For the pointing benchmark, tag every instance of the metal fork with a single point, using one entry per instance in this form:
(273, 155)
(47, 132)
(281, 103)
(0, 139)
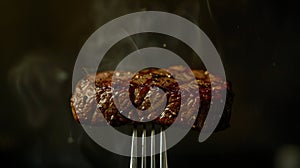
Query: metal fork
(163, 162)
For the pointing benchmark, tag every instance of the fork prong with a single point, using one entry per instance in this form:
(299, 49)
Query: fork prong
(163, 151)
(144, 146)
(152, 163)
(133, 158)
(162, 143)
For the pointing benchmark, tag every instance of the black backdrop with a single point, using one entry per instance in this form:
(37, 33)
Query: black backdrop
(258, 42)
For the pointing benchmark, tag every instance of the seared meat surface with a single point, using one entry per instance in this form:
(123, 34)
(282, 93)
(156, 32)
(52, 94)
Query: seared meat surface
(91, 98)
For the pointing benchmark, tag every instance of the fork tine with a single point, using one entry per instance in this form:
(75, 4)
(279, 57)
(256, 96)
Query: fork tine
(163, 151)
(144, 146)
(152, 163)
(133, 158)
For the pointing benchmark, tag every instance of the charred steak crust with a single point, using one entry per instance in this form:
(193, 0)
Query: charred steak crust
(88, 103)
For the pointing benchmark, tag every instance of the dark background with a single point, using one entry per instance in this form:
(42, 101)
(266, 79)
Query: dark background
(259, 45)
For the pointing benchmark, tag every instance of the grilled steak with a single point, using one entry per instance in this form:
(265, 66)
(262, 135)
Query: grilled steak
(91, 98)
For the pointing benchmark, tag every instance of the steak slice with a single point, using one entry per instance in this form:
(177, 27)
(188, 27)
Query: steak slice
(91, 98)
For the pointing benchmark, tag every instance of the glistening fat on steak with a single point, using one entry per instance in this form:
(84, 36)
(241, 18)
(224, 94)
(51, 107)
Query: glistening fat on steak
(88, 103)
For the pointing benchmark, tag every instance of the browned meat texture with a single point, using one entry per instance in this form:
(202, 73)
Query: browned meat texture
(89, 102)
